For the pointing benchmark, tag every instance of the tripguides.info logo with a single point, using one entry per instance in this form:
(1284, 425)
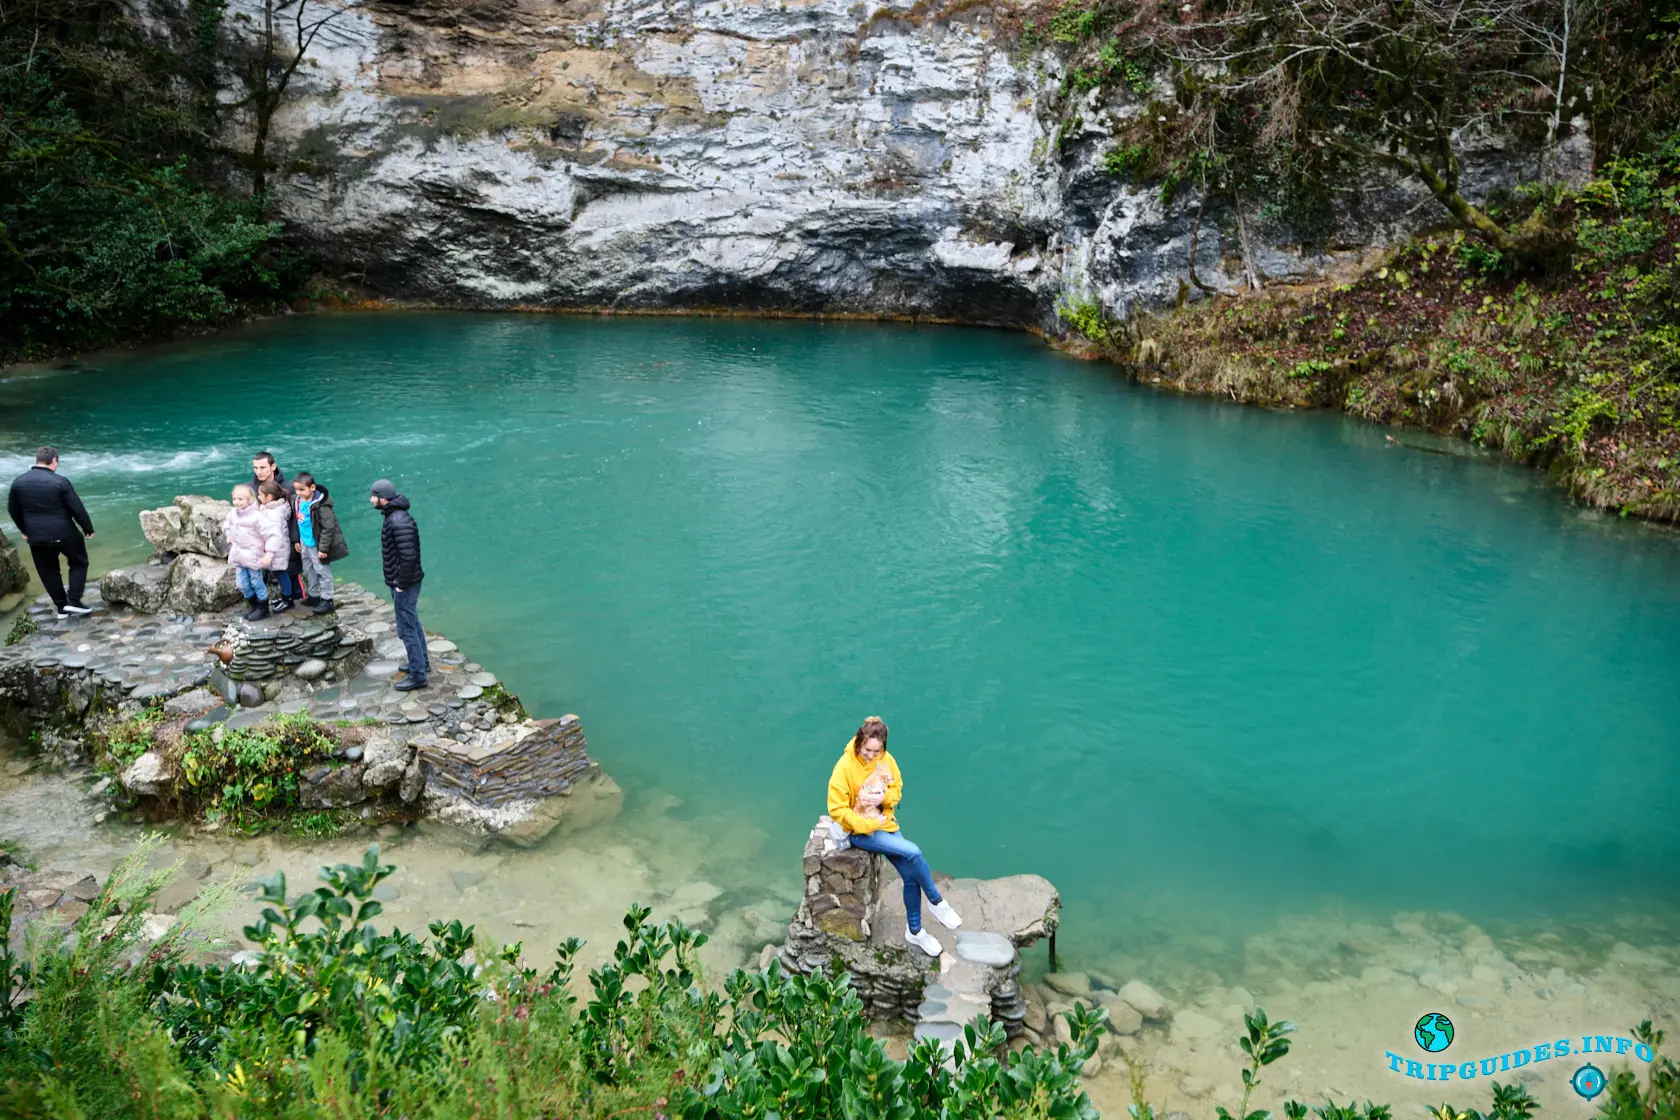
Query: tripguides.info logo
(1435, 1034)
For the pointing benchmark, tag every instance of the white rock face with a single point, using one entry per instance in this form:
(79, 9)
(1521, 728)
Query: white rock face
(816, 156)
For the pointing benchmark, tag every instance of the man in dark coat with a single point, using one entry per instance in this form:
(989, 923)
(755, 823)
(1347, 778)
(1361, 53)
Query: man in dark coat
(51, 517)
(399, 542)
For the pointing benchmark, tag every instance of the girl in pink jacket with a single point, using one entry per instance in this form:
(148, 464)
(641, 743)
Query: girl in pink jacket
(257, 543)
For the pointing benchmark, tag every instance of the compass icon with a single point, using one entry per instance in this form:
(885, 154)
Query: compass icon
(1588, 1081)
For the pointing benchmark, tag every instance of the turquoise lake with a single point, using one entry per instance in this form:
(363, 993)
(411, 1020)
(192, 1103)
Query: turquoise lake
(1187, 659)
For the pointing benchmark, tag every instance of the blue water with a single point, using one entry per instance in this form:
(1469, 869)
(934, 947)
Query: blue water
(1180, 656)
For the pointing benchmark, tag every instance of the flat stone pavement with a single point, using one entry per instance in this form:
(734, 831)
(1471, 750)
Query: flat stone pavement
(149, 656)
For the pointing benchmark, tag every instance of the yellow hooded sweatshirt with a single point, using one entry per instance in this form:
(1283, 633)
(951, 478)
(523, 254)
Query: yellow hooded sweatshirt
(849, 775)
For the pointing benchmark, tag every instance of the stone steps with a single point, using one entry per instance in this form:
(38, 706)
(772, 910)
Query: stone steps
(972, 976)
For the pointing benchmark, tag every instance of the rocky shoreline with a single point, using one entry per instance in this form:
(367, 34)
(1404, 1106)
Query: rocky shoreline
(166, 643)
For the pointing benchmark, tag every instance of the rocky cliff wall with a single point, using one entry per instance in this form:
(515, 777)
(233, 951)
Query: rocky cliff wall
(814, 156)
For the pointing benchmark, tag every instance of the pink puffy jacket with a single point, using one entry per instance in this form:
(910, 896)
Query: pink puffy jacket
(255, 530)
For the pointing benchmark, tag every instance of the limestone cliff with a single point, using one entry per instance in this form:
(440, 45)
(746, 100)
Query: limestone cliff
(813, 156)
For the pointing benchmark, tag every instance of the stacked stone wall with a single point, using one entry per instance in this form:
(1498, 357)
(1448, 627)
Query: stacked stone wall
(543, 760)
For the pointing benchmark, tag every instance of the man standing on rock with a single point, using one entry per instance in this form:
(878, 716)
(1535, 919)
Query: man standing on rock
(51, 518)
(399, 542)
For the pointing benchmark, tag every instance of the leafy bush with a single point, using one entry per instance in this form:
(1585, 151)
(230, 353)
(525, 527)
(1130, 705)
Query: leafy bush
(336, 1018)
(1085, 316)
(240, 771)
(128, 739)
(107, 227)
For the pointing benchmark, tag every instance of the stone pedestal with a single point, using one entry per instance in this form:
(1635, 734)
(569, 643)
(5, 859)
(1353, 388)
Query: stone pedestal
(851, 920)
(842, 886)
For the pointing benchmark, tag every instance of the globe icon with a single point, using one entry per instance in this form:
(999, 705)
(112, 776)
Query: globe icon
(1434, 1032)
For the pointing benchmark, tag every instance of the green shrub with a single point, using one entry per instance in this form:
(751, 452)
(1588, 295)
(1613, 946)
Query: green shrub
(337, 1018)
(246, 771)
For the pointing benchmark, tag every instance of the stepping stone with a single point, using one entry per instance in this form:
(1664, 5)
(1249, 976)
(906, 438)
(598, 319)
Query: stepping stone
(391, 648)
(985, 947)
(471, 691)
(380, 668)
(481, 679)
(440, 645)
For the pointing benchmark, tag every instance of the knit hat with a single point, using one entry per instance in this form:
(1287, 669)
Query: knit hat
(384, 489)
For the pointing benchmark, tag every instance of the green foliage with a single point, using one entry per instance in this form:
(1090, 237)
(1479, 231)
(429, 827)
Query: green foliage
(1658, 1098)
(252, 769)
(314, 826)
(1085, 316)
(1264, 1043)
(336, 1017)
(107, 230)
(1578, 371)
(132, 737)
(22, 627)
(15, 974)
(1127, 159)
(1482, 258)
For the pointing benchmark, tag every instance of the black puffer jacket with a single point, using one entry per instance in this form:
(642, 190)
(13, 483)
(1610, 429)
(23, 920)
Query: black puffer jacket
(399, 541)
(44, 507)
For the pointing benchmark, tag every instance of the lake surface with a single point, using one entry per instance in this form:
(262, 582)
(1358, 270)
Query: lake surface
(1203, 666)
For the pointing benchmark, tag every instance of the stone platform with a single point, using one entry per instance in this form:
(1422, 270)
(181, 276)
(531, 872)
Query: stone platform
(851, 919)
(461, 748)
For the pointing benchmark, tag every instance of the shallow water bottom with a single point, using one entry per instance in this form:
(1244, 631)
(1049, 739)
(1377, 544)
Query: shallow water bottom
(1355, 980)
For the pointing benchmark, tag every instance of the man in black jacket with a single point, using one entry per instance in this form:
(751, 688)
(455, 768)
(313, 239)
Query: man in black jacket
(51, 517)
(399, 543)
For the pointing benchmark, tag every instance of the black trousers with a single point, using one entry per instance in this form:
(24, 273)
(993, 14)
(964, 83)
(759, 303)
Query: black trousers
(46, 554)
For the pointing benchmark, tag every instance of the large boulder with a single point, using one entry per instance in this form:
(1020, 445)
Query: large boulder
(327, 787)
(13, 575)
(162, 527)
(193, 524)
(149, 775)
(198, 584)
(386, 761)
(145, 587)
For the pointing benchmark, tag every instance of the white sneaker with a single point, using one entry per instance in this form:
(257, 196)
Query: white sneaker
(924, 941)
(948, 917)
(77, 608)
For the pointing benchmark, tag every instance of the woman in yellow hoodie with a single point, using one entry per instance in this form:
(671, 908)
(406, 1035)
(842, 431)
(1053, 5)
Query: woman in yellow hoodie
(863, 793)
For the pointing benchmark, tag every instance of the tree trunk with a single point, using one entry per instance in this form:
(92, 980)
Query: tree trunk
(259, 152)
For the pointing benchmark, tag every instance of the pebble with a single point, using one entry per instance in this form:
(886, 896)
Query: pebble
(310, 670)
(353, 754)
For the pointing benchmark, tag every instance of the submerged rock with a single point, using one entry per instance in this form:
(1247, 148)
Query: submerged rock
(1148, 1002)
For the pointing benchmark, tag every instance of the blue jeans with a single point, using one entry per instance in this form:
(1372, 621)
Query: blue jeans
(252, 583)
(912, 868)
(413, 635)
